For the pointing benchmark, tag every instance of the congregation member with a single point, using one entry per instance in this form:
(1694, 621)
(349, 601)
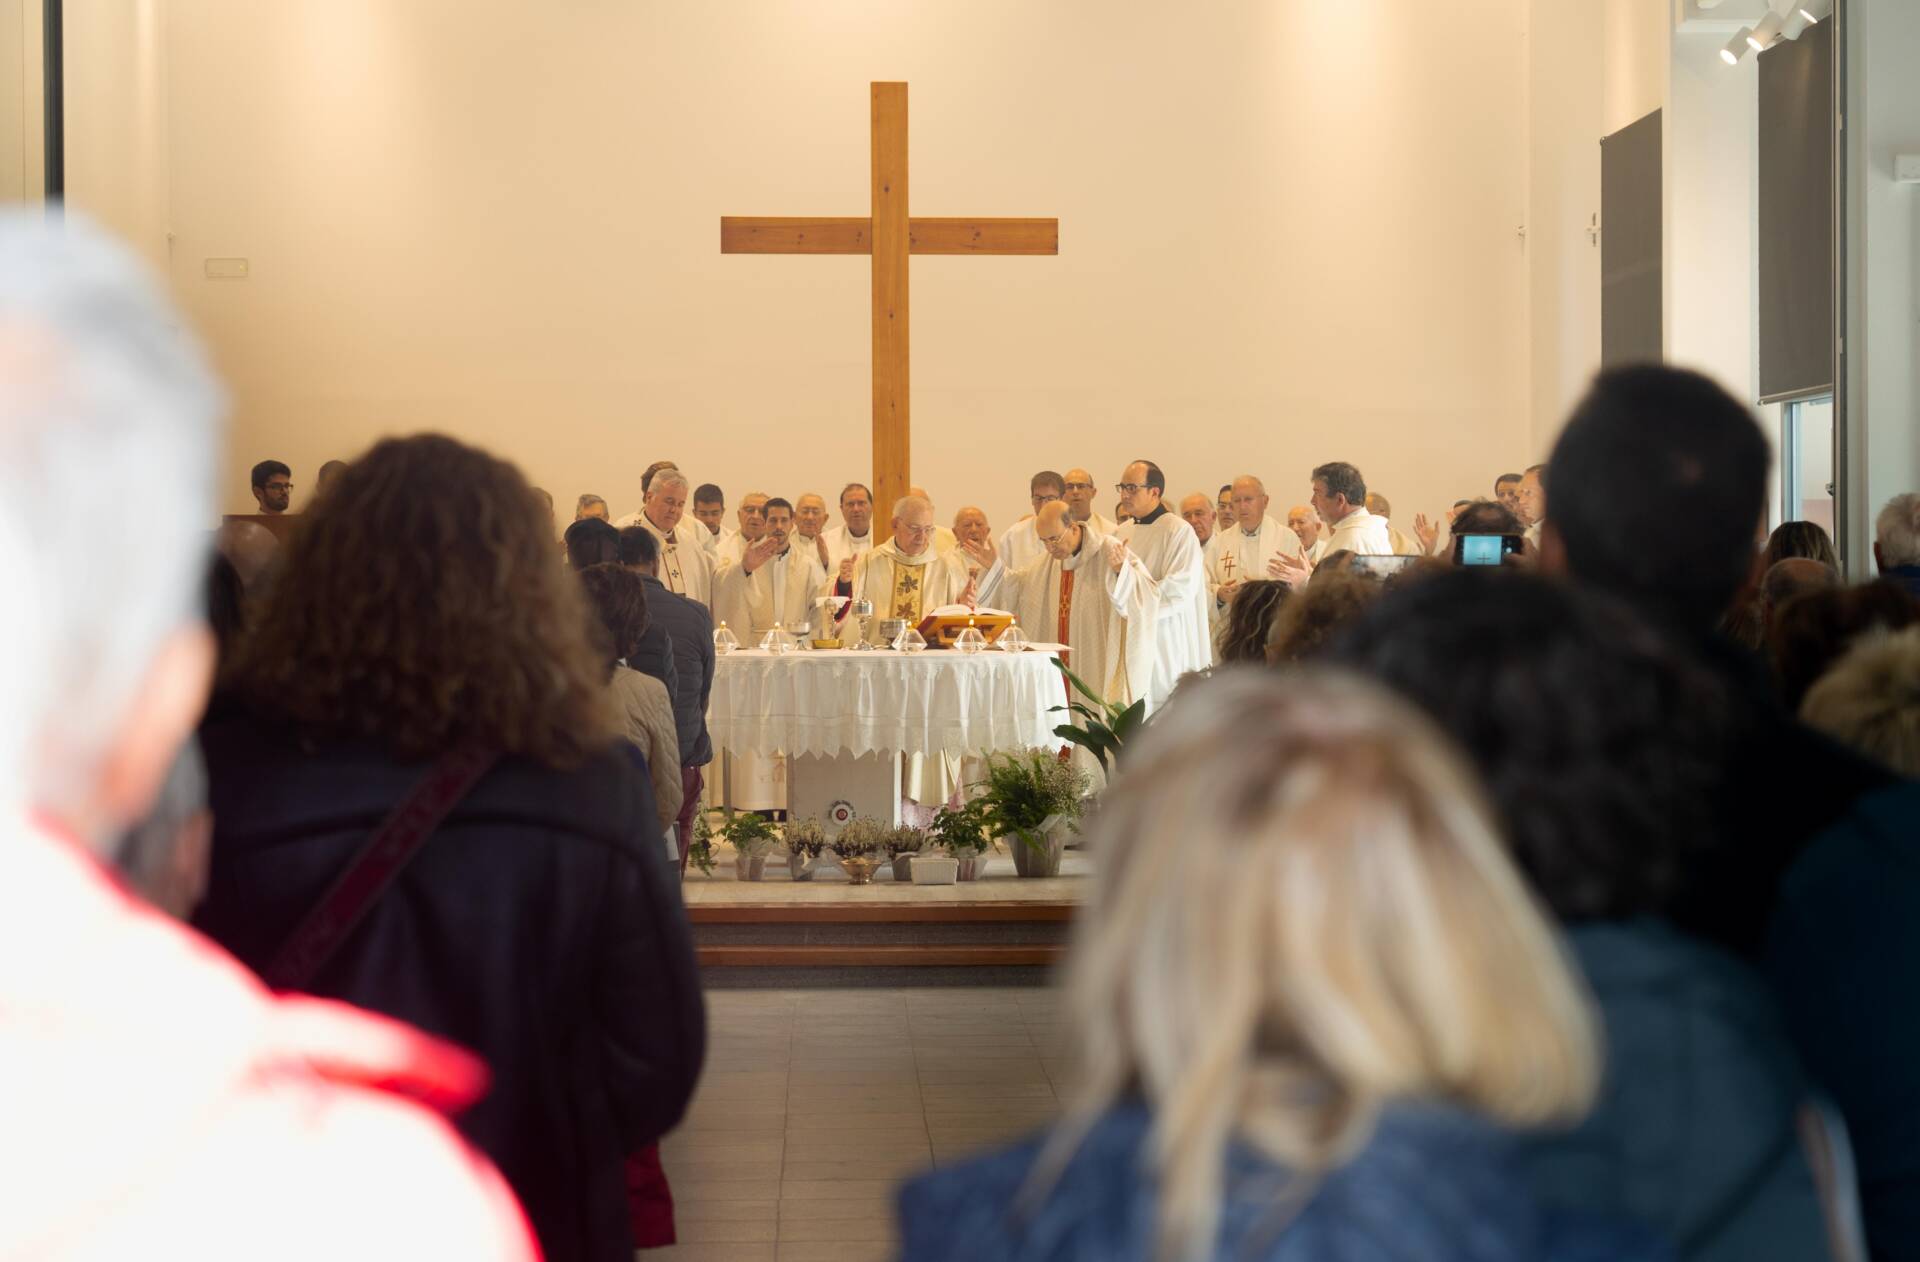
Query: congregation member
(853, 537)
(1308, 529)
(1786, 579)
(710, 510)
(1318, 611)
(1306, 1031)
(686, 568)
(1172, 566)
(1245, 550)
(677, 649)
(1077, 489)
(1870, 700)
(1066, 595)
(1653, 442)
(617, 611)
(1811, 632)
(591, 541)
(1485, 517)
(272, 487)
(1799, 539)
(1434, 541)
(907, 577)
(590, 505)
(532, 917)
(1340, 498)
(158, 1100)
(1019, 543)
(1249, 622)
(809, 526)
(1198, 511)
(774, 584)
(1896, 542)
(328, 472)
(1603, 785)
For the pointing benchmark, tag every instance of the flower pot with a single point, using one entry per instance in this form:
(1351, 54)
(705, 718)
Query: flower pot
(903, 867)
(800, 867)
(972, 867)
(859, 871)
(935, 869)
(750, 867)
(1038, 860)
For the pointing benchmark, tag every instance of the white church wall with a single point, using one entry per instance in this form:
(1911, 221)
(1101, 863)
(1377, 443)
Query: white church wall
(1289, 235)
(116, 118)
(1884, 242)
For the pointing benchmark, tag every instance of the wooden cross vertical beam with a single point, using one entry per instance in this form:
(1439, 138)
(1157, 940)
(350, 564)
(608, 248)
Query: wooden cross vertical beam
(892, 362)
(890, 235)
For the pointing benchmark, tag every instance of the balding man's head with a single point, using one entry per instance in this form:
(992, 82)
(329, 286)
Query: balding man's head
(913, 527)
(1249, 502)
(1058, 532)
(970, 525)
(1789, 578)
(1079, 493)
(1197, 511)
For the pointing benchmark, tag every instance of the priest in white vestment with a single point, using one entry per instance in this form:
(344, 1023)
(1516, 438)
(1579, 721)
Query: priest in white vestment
(1197, 511)
(1066, 595)
(944, 540)
(710, 512)
(1175, 572)
(1306, 527)
(1404, 544)
(753, 528)
(853, 537)
(1340, 497)
(774, 583)
(1020, 542)
(809, 531)
(907, 577)
(1078, 492)
(1246, 550)
(685, 567)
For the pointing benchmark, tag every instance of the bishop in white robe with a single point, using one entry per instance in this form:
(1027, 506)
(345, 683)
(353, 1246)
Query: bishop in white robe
(907, 577)
(685, 567)
(1175, 572)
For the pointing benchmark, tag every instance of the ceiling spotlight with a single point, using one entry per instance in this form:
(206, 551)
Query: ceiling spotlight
(1737, 47)
(1815, 10)
(1796, 26)
(1765, 32)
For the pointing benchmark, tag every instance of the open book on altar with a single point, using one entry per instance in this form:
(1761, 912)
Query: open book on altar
(944, 625)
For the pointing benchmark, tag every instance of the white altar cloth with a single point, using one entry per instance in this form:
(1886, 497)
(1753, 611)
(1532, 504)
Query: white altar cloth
(823, 703)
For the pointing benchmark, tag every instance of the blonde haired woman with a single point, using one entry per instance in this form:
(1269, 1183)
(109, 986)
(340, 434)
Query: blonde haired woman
(1307, 994)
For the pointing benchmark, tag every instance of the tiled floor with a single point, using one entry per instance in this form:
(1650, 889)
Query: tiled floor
(815, 1104)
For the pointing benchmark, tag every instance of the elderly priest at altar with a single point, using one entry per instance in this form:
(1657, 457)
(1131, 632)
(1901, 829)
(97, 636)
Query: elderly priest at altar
(907, 577)
(1070, 593)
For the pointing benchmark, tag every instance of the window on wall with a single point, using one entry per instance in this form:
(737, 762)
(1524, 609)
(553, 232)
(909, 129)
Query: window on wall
(1807, 483)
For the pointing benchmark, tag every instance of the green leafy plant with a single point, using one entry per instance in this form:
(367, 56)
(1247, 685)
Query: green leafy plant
(806, 838)
(1105, 726)
(700, 845)
(859, 838)
(961, 830)
(904, 839)
(1026, 794)
(750, 834)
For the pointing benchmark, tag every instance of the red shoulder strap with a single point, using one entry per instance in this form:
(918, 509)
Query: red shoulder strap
(393, 844)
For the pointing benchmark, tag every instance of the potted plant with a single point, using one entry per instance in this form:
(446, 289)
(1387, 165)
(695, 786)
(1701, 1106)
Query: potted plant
(858, 848)
(961, 832)
(700, 845)
(752, 836)
(806, 841)
(1105, 726)
(1032, 799)
(901, 844)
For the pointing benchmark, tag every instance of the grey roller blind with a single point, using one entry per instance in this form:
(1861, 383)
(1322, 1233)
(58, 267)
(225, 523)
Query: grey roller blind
(1796, 215)
(1630, 243)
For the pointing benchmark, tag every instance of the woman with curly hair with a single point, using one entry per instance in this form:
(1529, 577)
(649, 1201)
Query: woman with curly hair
(418, 613)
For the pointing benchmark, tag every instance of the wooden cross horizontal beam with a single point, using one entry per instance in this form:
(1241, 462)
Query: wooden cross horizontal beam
(776, 235)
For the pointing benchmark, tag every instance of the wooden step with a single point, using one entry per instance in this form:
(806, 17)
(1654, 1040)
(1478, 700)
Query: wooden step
(878, 913)
(879, 956)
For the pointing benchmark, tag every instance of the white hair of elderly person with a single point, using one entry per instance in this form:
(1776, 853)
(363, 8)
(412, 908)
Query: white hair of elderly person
(103, 399)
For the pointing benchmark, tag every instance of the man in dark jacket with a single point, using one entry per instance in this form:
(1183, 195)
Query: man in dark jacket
(1658, 444)
(678, 651)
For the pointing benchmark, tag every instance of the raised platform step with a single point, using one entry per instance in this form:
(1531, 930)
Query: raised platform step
(856, 943)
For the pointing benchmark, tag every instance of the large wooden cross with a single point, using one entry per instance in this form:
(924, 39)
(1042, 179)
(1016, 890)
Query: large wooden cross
(889, 235)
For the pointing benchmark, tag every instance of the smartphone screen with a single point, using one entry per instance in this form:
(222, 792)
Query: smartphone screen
(1484, 549)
